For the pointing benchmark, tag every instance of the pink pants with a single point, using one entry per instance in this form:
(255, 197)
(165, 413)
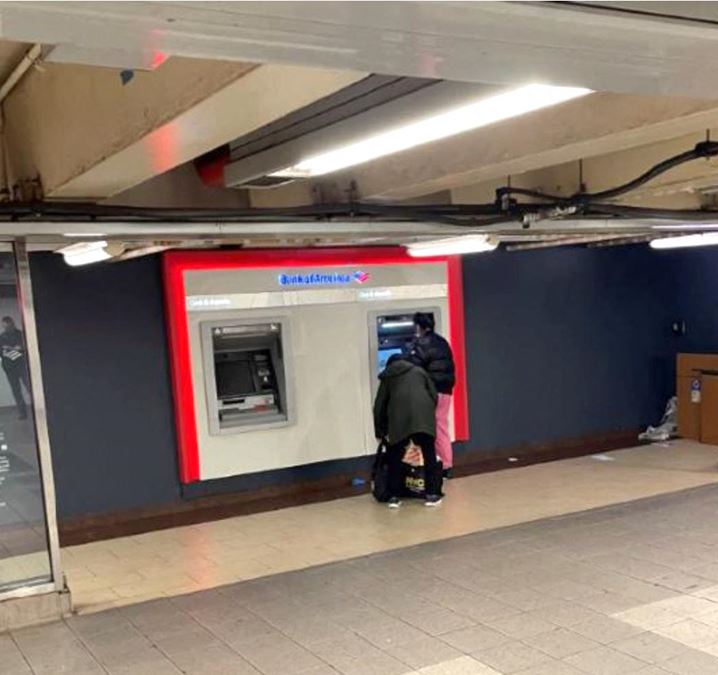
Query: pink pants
(443, 440)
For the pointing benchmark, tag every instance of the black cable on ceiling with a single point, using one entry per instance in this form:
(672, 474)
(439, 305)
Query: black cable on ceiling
(503, 210)
(104, 213)
(702, 150)
(621, 211)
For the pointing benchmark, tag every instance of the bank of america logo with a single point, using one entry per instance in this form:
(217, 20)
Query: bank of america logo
(324, 279)
(361, 277)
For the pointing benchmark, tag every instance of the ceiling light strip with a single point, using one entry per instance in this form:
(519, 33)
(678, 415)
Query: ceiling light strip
(443, 125)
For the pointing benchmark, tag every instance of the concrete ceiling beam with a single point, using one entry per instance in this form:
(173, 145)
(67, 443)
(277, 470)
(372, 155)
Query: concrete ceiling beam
(88, 135)
(587, 127)
(497, 42)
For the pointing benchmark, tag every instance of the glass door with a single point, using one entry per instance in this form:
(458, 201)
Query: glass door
(29, 553)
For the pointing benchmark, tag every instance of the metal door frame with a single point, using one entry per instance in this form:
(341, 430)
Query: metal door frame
(39, 409)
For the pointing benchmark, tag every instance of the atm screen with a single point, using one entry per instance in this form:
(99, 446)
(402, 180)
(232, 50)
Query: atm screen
(385, 354)
(234, 378)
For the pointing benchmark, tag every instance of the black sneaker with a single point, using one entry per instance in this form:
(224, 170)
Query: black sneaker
(394, 503)
(432, 500)
(447, 473)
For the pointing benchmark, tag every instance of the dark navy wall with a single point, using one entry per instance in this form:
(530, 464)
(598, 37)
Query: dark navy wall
(560, 344)
(692, 276)
(102, 342)
(565, 343)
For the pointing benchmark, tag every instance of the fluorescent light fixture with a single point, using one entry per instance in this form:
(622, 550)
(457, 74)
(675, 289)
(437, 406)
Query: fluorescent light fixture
(687, 241)
(472, 243)
(449, 123)
(86, 253)
(684, 227)
(83, 235)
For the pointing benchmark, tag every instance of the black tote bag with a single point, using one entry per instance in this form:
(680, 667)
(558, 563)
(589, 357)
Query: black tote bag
(380, 475)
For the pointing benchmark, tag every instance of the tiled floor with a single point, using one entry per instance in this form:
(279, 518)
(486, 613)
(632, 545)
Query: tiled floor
(630, 589)
(186, 559)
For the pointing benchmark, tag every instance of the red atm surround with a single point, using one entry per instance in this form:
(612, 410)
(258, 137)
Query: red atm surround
(176, 263)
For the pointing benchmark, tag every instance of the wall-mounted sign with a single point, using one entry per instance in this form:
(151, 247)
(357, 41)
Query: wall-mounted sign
(310, 279)
(375, 294)
(696, 390)
(208, 302)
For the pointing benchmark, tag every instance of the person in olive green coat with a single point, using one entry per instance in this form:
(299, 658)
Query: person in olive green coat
(405, 411)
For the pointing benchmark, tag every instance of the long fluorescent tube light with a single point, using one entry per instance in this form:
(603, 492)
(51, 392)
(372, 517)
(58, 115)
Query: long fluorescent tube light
(86, 253)
(685, 226)
(687, 241)
(473, 243)
(81, 235)
(455, 121)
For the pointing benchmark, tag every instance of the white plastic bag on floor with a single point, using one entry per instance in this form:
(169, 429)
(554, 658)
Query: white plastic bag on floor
(668, 426)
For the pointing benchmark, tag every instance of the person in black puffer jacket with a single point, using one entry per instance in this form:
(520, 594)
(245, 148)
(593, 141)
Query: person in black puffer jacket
(432, 352)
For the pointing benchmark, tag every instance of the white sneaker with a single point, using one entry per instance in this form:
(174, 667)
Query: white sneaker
(394, 503)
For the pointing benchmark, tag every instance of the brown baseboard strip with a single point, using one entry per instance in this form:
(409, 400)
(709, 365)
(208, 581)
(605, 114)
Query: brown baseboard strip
(85, 529)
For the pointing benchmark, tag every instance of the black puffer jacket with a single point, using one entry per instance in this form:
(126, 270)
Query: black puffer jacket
(433, 353)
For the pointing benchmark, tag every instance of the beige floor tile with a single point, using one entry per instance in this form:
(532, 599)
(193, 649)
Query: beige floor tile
(554, 668)
(605, 661)
(521, 626)
(512, 657)
(212, 554)
(692, 662)
(158, 587)
(691, 633)
(475, 638)
(561, 643)
(424, 652)
(687, 606)
(605, 630)
(649, 647)
(648, 617)
(464, 665)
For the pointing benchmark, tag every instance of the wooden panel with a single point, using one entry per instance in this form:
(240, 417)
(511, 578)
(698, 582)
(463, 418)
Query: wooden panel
(687, 364)
(709, 409)
(689, 413)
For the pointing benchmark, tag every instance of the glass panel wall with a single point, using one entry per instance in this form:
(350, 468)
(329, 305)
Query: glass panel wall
(24, 547)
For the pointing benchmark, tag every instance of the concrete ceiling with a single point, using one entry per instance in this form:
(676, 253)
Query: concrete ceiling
(497, 42)
(688, 11)
(128, 94)
(11, 54)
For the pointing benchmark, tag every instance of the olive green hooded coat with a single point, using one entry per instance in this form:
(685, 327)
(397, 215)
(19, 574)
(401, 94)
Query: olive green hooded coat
(405, 404)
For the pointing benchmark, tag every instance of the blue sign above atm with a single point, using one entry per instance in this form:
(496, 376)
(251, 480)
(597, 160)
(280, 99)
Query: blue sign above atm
(310, 279)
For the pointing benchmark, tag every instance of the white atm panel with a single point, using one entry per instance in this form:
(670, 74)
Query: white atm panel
(328, 360)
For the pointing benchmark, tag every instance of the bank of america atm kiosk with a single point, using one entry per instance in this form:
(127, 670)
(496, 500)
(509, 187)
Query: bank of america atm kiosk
(275, 362)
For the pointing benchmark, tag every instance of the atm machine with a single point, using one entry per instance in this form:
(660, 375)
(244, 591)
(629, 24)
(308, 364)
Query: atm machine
(276, 355)
(392, 333)
(245, 376)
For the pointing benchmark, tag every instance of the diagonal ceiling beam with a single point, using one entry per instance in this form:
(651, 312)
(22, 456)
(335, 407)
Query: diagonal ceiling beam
(89, 136)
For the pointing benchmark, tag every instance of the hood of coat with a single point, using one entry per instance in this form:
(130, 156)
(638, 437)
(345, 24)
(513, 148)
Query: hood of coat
(395, 368)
